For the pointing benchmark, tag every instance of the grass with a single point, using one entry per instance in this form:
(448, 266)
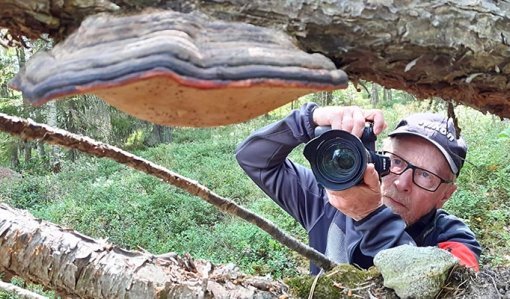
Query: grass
(101, 198)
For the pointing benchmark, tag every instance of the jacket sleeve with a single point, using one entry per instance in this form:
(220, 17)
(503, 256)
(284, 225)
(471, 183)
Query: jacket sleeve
(263, 156)
(455, 237)
(380, 230)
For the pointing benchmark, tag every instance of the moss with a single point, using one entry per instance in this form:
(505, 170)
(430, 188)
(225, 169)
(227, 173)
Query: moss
(337, 283)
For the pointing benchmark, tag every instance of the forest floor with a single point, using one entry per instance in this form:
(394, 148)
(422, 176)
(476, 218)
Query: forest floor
(351, 282)
(489, 283)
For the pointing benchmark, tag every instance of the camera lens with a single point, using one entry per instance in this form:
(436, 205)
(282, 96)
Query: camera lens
(343, 159)
(339, 161)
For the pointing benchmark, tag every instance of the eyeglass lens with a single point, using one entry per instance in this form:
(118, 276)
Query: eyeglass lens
(421, 177)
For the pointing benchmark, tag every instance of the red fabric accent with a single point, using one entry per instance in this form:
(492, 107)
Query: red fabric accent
(462, 252)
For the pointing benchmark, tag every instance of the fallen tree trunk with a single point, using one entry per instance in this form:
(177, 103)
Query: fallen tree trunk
(28, 129)
(60, 258)
(20, 292)
(456, 50)
(79, 266)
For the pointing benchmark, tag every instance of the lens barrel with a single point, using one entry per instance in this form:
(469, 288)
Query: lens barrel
(338, 159)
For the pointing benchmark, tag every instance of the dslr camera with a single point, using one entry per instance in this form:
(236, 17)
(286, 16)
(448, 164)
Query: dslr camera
(338, 159)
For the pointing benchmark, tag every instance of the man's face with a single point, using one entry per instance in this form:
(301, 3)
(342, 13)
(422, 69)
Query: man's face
(401, 194)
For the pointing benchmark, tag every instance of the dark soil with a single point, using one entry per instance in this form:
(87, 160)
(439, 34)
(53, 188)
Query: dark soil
(487, 284)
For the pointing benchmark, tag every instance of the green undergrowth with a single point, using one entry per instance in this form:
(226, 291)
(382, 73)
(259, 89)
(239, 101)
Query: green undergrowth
(104, 199)
(34, 288)
(483, 196)
(343, 281)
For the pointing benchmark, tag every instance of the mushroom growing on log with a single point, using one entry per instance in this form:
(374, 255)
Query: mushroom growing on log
(178, 69)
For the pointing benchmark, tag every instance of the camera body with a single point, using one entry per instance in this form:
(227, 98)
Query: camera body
(339, 159)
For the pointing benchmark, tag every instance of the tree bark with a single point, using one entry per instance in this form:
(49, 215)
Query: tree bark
(34, 18)
(374, 95)
(55, 152)
(27, 152)
(31, 130)
(4, 90)
(20, 292)
(14, 156)
(456, 50)
(77, 265)
(159, 134)
(327, 98)
(387, 95)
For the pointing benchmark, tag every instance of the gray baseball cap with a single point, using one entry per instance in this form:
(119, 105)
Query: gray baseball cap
(440, 131)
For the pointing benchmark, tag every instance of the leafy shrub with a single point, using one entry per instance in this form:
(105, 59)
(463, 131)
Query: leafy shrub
(26, 193)
(483, 195)
(240, 243)
(102, 198)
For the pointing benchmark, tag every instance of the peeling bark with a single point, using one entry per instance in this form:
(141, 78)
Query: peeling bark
(20, 292)
(456, 50)
(34, 18)
(77, 265)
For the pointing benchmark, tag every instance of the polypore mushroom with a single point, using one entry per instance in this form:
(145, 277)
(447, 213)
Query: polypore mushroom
(178, 69)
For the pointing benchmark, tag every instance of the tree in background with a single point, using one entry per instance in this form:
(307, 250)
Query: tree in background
(85, 114)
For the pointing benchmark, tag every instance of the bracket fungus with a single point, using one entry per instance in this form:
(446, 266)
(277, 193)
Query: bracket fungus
(178, 69)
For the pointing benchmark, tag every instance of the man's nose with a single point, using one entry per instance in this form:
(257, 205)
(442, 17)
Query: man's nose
(404, 181)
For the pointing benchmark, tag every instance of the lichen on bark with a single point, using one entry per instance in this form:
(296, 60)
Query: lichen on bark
(342, 281)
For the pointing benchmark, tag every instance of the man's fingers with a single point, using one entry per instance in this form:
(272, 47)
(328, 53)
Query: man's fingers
(347, 120)
(336, 117)
(351, 119)
(377, 117)
(329, 116)
(358, 122)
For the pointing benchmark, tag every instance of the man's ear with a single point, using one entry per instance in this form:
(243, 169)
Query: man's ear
(447, 193)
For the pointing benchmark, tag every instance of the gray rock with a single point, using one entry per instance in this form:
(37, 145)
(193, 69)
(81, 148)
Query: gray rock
(414, 272)
(7, 174)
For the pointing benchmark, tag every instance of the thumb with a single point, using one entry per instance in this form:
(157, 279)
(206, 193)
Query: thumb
(371, 178)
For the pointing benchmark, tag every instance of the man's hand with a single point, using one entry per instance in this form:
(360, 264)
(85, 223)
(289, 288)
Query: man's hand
(359, 201)
(351, 119)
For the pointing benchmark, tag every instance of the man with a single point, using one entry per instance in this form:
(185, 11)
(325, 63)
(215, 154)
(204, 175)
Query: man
(353, 225)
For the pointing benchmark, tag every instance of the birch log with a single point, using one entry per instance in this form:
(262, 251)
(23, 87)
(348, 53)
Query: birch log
(78, 266)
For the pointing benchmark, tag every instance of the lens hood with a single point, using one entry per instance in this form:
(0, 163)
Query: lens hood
(338, 159)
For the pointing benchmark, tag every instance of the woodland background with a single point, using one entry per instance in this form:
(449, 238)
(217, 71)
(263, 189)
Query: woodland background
(103, 199)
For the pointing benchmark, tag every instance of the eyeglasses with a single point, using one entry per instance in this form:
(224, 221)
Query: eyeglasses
(421, 177)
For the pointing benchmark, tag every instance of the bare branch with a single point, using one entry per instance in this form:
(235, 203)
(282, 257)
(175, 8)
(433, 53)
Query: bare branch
(28, 129)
